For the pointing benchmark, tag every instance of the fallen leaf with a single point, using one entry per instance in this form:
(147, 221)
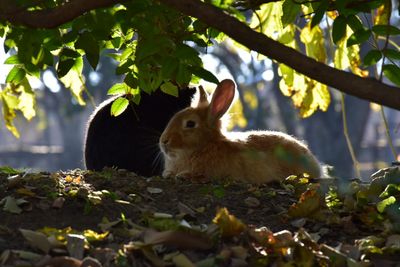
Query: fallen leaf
(12, 204)
(91, 235)
(76, 245)
(70, 262)
(181, 260)
(160, 215)
(252, 202)
(58, 203)
(180, 239)
(152, 257)
(336, 257)
(229, 224)
(393, 241)
(309, 203)
(36, 240)
(154, 190)
(299, 222)
(239, 252)
(25, 192)
(184, 209)
(68, 179)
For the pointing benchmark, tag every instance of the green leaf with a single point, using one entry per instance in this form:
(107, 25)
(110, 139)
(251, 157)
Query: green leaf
(339, 29)
(119, 106)
(33, 70)
(9, 170)
(67, 52)
(183, 76)
(169, 67)
(392, 72)
(117, 42)
(15, 75)
(319, 13)
(372, 57)
(354, 23)
(170, 88)
(385, 30)
(185, 52)
(131, 81)
(12, 60)
(147, 48)
(89, 44)
(381, 206)
(117, 89)
(64, 66)
(392, 54)
(290, 10)
(390, 190)
(358, 37)
(204, 74)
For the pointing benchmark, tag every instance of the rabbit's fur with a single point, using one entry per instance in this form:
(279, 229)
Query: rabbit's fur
(194, 146)
(129, 141)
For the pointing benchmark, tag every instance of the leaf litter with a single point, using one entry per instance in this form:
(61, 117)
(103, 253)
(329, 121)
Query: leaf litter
(116, 218)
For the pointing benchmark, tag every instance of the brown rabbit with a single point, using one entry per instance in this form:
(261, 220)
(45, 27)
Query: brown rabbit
(194, 146)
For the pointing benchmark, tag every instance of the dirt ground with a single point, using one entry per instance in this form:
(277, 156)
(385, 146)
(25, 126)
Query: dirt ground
(82, 200)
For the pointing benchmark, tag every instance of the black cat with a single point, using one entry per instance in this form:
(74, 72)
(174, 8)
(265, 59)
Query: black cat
(130, 140)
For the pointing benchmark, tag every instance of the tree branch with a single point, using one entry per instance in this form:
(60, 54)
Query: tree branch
(50, 18)
(365, 88)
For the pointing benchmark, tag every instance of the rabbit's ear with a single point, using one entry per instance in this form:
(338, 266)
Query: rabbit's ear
(203, 97)
(222, 99)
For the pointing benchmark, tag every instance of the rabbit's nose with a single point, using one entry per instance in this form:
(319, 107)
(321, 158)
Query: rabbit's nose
(165, 141)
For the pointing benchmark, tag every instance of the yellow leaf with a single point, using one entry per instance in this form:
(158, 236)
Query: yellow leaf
(74, 81)
(382, 14)
(94, 236)
(322, 96)
(77, 180)
(309, 202)
(25, 192)
(68, 179)
(317, 97)
(27, 101)
(313, 40)
(268, 19)
(236, 116)
(9, 104)
(348, 57)
(229, 224)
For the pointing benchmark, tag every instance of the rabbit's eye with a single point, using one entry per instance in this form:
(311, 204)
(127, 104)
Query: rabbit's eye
(190, 124)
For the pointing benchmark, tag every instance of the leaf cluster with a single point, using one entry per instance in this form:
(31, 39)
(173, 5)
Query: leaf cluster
(330, 32)
(155, 48)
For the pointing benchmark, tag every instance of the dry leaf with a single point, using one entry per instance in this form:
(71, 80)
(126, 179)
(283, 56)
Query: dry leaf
(68, 179)
(309, 202)
(181, 260)
(10, 205)
(25, 192)
(180, 239)
(229, 224)
(154, 190)
(36, 240)
(76, 245)
(184, 209)
(252, 202)
(58, 203)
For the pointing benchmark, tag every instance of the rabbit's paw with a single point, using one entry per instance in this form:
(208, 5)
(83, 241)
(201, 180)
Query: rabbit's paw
(193, 177)
(168, 174)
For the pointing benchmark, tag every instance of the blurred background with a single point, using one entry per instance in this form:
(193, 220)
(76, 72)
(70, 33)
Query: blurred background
(54, 139)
